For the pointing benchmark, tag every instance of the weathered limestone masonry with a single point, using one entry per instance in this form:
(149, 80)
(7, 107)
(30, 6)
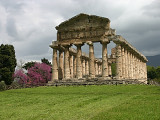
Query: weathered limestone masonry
(74, 66)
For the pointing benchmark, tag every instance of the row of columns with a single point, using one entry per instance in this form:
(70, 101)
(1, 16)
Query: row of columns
(77, 66)
(129, 66)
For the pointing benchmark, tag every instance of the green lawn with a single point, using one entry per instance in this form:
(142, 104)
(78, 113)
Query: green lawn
(107, 102)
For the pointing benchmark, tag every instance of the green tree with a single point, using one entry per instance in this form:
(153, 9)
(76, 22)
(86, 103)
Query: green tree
(158, 72)
(7, 63)
(28, 65)
(46, 61)
(151, 72)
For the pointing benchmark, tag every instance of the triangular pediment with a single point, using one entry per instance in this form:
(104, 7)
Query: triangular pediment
(83, 21)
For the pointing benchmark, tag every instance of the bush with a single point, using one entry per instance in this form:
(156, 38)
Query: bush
(20, 77)
(2, 86)
(39, 74)
(6, 75)
(157, 80)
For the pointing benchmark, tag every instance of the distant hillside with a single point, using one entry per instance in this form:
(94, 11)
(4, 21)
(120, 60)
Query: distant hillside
(153, 60)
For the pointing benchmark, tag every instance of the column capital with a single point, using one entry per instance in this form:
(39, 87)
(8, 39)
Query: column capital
(104, 41)
(54, 45)
(89, 43)
(79, 44)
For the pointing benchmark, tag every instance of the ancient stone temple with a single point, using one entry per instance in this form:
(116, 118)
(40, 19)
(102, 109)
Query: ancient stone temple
(73, 66)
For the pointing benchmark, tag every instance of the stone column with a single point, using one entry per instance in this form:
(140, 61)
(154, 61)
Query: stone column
(83, 67)
(138, 76)
(126, 64)
(66, 63)
(54, 65)
(118, 62)
(145, 71)
(142, 75)
(123, 63)
(96, 67)
(79, 61)
(71, 66)
(74, 66)
(132, 65)
(128, 61)
(137, 70)
(87, 69)
(99, 69)
(104, 60)
(140, 69)
(91, 60)
(60, 69)
(109, 69)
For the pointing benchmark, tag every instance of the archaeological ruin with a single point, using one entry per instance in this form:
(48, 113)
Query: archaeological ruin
(72, 66)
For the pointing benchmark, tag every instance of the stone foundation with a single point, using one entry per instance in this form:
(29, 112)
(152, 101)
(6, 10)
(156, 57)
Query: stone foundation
(95, 81)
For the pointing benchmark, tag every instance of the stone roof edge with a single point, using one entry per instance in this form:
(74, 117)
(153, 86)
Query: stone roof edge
(78, 16)
(120, 39)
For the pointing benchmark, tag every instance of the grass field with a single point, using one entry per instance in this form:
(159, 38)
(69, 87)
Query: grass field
(107, 102)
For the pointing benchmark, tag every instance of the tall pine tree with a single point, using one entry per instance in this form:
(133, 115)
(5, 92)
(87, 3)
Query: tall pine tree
(7, 63)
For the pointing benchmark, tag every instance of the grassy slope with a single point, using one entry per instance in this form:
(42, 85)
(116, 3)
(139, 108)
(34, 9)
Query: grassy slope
(133, 102)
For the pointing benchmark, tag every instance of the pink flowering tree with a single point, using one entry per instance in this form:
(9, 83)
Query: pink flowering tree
(21, 77)
(39, 74)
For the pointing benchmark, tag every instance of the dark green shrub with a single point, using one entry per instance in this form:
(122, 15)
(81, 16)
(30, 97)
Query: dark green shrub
(2, 86)
(6, 75)
(7, 63)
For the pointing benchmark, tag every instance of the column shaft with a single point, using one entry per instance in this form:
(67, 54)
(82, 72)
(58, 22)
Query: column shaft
(91, 60)
(79, 62)
(123, 63)
(74, 67)
(83, 67)
(87, 69)
(96, 68)
(104, 60)
(71, 66)
(126, 64)
(60, 69)
(109, 70)
(54, 66)
(118, 62)
(66, 63)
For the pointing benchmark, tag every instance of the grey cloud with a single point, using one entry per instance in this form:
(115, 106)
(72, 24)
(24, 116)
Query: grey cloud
(12, 6)
(34, 47)
(141, 26)
(40, 46)
(11, 27)
(0, 26)
(153, 9)
(32, 38)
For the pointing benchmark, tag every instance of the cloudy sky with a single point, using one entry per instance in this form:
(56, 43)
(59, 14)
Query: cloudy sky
(29, 25)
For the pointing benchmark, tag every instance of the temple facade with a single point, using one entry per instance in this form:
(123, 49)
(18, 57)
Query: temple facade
(73, 65)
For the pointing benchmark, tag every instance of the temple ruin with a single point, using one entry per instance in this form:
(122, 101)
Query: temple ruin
(73, 66)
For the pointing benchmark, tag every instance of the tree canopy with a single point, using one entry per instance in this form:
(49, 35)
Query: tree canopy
(7, 63)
